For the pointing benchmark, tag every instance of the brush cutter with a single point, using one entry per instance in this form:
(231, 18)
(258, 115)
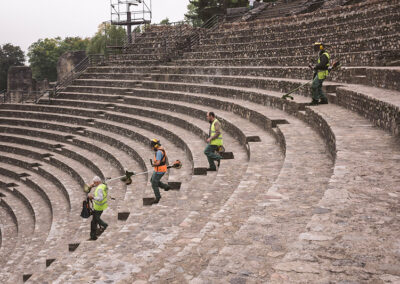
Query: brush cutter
(335, 66)
(127, 178)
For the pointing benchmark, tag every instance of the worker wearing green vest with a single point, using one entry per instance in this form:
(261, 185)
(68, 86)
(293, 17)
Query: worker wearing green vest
(214, 142)
(99, 205)
(321, 71)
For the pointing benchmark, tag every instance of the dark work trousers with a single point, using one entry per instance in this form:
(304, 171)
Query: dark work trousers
(316, 89)
(210, 152)
(96, 220)
(156, 183)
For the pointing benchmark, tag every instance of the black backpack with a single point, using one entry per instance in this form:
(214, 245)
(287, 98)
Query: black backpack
(86, 209)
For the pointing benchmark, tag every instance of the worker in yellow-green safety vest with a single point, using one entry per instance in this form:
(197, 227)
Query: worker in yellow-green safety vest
(321, 71)
(214, 142)
(99, 205)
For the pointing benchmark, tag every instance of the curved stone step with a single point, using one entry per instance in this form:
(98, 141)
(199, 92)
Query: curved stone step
(185, 205)
(9, 230)
(349, 96)
(296, 31)
(32, 180)
(257, 40)
(353, 235)
(41, 156)
(362, 58)
(119, 115)
(366, 9)
(49, 150)
(35, 258)
(246, 82)
(346, 45)
(25, 221)
(380, 77)
(127, 164)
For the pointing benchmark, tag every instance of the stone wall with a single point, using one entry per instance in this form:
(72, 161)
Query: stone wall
(19, 82)
(68, 61)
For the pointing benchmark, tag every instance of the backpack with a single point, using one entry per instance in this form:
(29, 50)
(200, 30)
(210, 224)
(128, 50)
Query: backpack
(86, 209)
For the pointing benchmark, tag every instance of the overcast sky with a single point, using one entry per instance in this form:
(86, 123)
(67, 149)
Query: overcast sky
(23, 22)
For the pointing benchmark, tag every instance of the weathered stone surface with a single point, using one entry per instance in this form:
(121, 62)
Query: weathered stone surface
(312, 200)
(68, 61)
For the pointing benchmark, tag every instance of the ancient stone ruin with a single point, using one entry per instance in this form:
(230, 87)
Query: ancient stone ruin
(310, 194)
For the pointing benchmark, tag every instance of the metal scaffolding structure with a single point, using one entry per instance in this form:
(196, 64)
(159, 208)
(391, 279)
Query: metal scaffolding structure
(130, 13)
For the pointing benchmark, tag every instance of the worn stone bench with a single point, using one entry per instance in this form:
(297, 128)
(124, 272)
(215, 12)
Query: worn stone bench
(325, 25)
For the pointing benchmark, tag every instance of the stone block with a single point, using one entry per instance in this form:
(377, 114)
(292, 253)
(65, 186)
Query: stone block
(123, 216)
(72, 247)
(200, 171)
(175, 185)
(68, 61)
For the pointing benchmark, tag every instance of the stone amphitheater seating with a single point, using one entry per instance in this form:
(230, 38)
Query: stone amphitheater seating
(311, 194)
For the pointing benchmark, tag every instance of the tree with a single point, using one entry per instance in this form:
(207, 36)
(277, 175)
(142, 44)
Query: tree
(205, 9)
(44, 53)
(165, 22)
(10, 55)
(191, 16)
(107, 34)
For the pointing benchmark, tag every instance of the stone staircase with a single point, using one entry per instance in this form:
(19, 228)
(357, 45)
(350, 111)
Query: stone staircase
(310, 195)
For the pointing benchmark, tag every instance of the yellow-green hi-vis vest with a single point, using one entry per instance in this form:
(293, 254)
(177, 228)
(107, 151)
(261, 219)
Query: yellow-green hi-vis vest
(100, 205)
(217, 141)
(322, 74)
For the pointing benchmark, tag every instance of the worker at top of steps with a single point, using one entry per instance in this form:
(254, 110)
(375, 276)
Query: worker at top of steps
(321, 71)
(214, 141)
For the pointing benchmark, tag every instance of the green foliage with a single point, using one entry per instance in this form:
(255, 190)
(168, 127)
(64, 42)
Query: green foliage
(191, 16)
(165, 22)
(44, 53)
(202, 10)
(107, 34)
(10, 55)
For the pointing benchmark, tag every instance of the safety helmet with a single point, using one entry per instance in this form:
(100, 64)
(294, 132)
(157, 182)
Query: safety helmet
(318, 46)
(155, 143)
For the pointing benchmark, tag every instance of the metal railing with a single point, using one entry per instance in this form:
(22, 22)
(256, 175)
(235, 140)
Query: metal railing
(90, 60)
(3, 96)
(180, 38)
(210, 25)
(20, 96)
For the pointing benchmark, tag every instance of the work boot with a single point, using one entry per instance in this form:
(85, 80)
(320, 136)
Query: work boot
(102, 229)
(218, 162)
(314, 102)
(156, 200)
(211, 169)
(167, 187)
(323, 101)
(93, 238)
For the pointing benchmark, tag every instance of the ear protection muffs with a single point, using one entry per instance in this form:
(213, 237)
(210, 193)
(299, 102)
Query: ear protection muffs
(155, 143)
(318, 46)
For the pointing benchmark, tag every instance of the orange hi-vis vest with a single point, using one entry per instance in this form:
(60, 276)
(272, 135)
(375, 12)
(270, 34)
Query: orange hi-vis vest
(162, 168)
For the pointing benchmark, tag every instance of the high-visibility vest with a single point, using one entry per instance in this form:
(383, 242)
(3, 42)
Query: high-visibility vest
(162, 167)
(100, 205)
(322, 74)
(217, 141)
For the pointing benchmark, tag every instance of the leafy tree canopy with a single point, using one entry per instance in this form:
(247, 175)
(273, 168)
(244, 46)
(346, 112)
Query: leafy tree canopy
(202, 10)
(44, 53)
(165, 22)
(10, 55)
(107, 34)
